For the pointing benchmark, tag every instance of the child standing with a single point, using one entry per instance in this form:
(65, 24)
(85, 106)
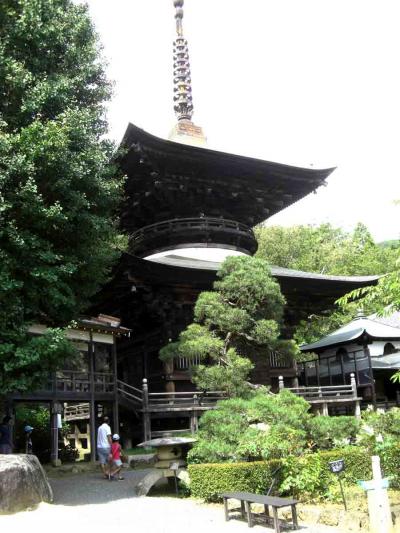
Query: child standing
(116, 463)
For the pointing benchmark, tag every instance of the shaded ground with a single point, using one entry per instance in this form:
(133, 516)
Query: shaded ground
(92, 488)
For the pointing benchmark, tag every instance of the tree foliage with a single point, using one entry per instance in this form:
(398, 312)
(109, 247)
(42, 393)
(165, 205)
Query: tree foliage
(38, 417)
(57, 192)
(242, 316)
(265, 426)
(327, 250)
(384, 297)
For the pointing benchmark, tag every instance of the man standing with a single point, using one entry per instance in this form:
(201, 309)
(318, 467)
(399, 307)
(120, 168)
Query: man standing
(5, 436)
(104, 446)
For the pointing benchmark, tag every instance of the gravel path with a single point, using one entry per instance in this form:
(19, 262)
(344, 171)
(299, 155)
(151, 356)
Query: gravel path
(87, 502)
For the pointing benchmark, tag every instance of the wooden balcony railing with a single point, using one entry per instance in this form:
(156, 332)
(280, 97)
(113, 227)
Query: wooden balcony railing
(80, 382)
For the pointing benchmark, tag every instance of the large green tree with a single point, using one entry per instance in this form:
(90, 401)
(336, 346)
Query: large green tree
(327, 250)
(57, 191)
(240, 319)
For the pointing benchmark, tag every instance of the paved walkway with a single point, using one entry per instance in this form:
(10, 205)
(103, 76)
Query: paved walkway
(90, 488)
(88, 502)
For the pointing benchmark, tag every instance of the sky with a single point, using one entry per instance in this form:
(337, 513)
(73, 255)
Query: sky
(312, 83)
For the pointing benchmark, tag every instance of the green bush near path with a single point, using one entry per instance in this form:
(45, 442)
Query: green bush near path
(307, 477)
(207, 481)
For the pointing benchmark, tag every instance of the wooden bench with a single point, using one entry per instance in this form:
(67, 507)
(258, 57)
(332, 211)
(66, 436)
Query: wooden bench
(247, 498)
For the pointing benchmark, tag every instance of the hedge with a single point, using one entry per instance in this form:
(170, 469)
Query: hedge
(207, 481)
(306, 477)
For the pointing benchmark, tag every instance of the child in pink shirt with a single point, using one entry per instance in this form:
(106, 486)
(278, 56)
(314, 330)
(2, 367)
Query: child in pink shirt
(116, 463)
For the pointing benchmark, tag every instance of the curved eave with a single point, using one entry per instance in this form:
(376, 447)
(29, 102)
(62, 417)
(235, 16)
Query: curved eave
(203, 273)
(184, 152)
(273, 185)
(362, 337)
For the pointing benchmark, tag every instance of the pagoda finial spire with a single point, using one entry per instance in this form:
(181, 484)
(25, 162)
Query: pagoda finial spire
(183, 100)
(184, 131)
(179, 16)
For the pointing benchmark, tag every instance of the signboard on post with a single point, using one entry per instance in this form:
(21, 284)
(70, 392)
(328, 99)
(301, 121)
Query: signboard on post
(336, 467)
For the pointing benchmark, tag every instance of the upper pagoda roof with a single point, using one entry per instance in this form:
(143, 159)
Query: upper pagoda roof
(168, 180)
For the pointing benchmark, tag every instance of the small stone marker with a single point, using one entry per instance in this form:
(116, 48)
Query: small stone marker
(380, 518)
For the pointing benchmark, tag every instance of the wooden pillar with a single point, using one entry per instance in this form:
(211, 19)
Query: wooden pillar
(10, 411)
(328, 360)
(169, 370)
(92, 426)
(357, 408)
(367, 353)
(146, 413)
(317, 371)
(55, 411)
(353, 384)
(92, 420)
(194, 419)
(342, 368)
(115, 403)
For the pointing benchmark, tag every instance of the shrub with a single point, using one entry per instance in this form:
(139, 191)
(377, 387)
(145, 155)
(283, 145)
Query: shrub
(207, 481)
(327, 431)
(307, 477)
(265, 426)
(389, 452)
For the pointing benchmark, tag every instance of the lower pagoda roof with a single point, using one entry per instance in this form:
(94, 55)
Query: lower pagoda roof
(169, 180)
(306, 292)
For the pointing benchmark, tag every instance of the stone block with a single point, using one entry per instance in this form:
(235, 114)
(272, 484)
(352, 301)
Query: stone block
(23, 484)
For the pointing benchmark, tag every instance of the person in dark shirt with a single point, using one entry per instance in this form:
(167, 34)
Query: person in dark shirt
(5, 436)
(28, 439)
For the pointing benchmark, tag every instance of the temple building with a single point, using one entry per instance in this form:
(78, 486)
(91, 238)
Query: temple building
(369, 347)
(179, 196)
